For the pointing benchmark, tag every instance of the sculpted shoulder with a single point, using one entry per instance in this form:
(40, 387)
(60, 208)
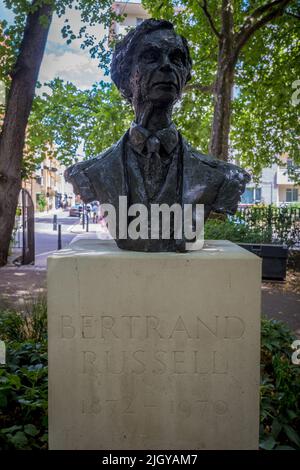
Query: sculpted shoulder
(77, 175)
(201, 157)
(228, 170)
(232, 178)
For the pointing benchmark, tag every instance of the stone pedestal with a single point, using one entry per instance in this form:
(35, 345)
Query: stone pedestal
(153, 351)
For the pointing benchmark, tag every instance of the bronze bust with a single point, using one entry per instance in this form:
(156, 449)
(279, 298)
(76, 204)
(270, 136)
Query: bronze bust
(152, 163)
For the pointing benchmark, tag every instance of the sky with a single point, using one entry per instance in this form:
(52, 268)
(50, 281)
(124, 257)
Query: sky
(68, 62)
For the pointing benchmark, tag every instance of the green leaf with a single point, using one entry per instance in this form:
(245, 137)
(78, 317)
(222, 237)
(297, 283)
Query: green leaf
(268, 444)
(291, 414)
(292, 434)
(44, 437)
(31, 430)
(11, 430)
(19, 440)
(23, 401)
(3, 399)
(276, 428)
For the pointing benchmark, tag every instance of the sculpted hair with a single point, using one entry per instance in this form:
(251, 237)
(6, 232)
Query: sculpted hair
(124, 53)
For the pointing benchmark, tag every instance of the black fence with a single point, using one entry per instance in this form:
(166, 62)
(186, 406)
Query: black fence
(275, 224)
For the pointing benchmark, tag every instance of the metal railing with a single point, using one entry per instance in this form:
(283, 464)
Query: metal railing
(276, 224)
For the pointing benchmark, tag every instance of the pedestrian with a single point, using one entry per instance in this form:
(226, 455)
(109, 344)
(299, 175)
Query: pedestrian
(95, 211)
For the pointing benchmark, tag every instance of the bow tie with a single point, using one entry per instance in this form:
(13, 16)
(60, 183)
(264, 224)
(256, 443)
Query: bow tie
(140, 138)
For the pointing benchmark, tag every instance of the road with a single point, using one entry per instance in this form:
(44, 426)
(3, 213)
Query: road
(46, 238)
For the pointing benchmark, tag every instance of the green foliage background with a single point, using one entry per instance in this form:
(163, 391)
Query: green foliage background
(264, 122)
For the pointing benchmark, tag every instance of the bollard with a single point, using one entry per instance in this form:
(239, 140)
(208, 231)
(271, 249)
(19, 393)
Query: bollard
(87, 222)
(59, 237)
(55, 222)
(83, 215)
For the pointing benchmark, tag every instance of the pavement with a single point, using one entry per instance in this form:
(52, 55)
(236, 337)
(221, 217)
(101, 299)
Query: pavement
(20, 284)
(281, 300)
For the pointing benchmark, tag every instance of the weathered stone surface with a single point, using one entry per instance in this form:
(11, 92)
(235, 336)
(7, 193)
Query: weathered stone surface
(155, 351)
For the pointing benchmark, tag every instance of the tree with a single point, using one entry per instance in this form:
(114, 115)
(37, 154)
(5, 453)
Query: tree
(264, 123)
(26, 39)
(20, 96)
(222, 34)
(77, 120)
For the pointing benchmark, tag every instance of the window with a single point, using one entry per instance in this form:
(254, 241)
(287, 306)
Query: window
(248, 196)
(291, 195)
(257, 194)
(251, 196)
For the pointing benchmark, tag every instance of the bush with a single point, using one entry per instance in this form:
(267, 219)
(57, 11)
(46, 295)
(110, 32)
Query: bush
(24, 380)
(42, 202)
(28, 325)
(216, 229)
(258, 224)
(277, 224)
(280, 389)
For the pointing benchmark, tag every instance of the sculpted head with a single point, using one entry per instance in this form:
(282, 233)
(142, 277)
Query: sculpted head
(151, 64)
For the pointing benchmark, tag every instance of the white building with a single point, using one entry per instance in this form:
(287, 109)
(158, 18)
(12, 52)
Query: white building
(135, 14)
(275, 186)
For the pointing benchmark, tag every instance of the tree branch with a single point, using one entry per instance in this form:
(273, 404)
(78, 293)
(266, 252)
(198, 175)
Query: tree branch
(294, 15)
(255, 21)
(263, 8)
(204, 8)
(199, 87)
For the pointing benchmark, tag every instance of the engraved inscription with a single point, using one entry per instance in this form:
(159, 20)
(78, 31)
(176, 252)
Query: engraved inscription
(67, 329)
(138, 327)
(159, 362)
(144, 349)
(130, 406)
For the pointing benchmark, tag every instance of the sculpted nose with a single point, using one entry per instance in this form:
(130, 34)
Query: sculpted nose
(165, 65)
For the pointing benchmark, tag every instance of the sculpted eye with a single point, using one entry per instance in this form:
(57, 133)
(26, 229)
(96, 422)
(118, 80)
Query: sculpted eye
(178, 57)
(150, 56)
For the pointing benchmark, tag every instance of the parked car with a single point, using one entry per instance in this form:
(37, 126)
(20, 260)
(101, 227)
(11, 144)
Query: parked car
(75, 210)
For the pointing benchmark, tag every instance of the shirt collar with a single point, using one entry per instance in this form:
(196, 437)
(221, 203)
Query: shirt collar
(139, 135)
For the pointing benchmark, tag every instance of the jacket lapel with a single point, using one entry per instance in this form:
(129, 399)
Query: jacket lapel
(108, 177)
(201, 178)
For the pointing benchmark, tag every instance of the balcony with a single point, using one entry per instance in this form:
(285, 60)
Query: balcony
(282, 176)
(130, 8)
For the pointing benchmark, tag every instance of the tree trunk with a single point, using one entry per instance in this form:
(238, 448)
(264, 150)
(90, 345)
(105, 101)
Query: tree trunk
(219, 140)
(230, 45)
(19, 103)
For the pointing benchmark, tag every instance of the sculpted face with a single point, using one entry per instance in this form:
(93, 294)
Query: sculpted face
(159, 69)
